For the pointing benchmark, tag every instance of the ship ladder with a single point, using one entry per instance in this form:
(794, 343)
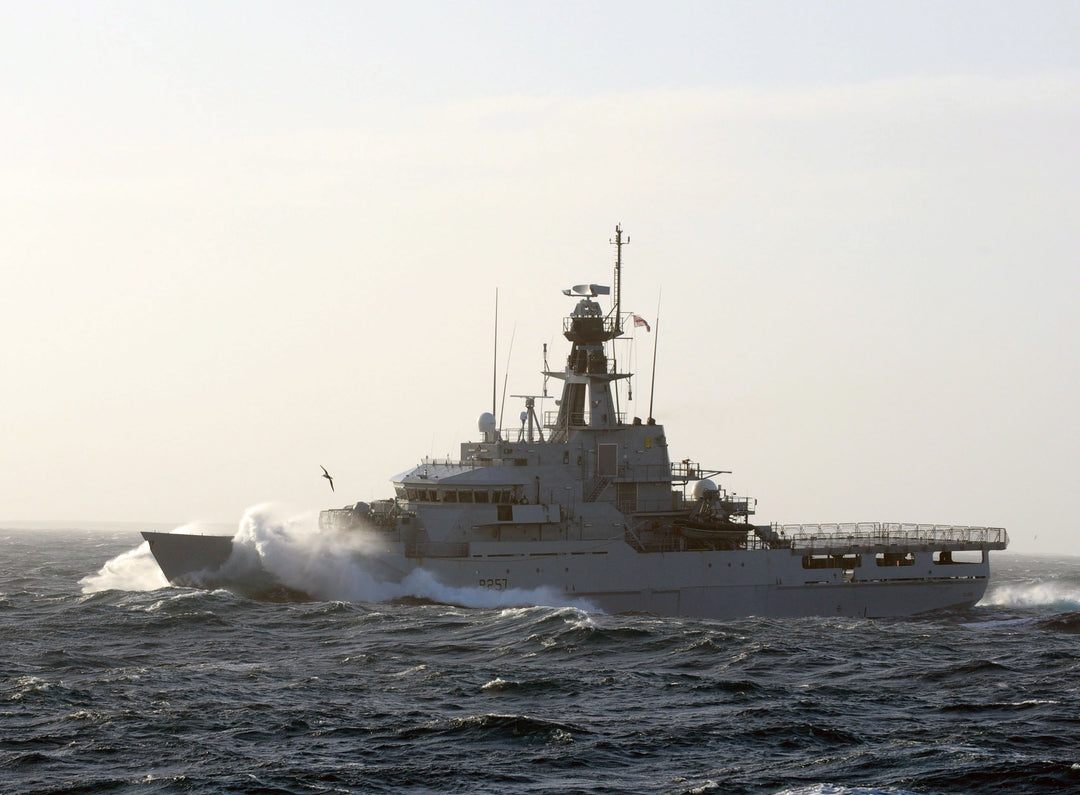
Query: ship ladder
(597, 490)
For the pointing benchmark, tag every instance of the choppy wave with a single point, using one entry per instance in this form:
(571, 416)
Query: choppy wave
(1068, 623)
(115, 683)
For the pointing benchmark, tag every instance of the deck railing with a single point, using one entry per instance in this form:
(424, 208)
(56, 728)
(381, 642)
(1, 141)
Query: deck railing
(578, 419)
(889, 534)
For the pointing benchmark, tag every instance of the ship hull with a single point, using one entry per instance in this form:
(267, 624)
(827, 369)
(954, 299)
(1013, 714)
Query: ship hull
(719, 584)
(726, 584)
(182, 557)
(208, 562)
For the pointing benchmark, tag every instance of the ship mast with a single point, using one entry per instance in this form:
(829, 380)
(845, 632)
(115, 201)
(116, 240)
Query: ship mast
(618, 242)
(587, 400)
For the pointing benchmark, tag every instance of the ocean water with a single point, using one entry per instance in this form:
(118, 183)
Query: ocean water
(112, 682)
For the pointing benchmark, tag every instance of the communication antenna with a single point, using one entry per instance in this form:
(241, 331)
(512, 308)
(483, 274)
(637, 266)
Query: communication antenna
(506, 375)
(656, 339)
(495, 355)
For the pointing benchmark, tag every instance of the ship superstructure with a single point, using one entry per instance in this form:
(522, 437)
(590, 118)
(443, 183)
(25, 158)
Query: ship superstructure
(588, 505)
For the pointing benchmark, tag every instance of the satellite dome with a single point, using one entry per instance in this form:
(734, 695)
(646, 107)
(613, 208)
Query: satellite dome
(486, 423)
(702, 487)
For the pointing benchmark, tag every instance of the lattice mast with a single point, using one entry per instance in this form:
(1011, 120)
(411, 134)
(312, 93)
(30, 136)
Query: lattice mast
(618, 242)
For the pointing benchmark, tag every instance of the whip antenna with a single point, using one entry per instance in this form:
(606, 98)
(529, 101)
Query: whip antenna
(656, 339)
(495, 355)
(506, 375)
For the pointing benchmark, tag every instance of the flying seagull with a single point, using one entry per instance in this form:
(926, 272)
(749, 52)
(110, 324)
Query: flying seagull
(326, 475)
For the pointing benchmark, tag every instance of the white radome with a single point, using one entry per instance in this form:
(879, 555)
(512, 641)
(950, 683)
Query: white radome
(702, 487)
(486, 423)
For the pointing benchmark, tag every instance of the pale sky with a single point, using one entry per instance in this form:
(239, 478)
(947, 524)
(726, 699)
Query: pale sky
(241, 240)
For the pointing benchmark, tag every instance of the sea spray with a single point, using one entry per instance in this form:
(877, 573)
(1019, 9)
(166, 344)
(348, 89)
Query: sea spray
(275, 548)
(134, 570)
(424, 584)
(352, 566)
(1061, 595)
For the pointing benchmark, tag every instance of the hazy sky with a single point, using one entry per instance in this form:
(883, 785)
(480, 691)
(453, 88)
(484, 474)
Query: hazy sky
(241, 240)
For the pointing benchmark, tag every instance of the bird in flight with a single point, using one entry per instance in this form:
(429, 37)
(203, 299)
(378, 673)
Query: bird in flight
(326, 475)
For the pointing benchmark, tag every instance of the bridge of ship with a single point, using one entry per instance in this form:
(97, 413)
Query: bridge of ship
(443, 481)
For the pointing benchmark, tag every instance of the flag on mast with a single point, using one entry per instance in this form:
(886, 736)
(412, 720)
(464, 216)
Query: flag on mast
(640, 321)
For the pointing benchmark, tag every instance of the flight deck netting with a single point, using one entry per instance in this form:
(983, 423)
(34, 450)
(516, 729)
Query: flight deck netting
(890, 534)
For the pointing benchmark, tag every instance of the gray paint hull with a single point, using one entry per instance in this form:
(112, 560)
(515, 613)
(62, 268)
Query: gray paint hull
(706, 584)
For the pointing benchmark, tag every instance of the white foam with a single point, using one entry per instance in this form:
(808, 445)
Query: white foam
(423, 583)
(839, 789)
(329, 565)
(134, 570)
(1063, 595)
(706, 786)
(348, 566)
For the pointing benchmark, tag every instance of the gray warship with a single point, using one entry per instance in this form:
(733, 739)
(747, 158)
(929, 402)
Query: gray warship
(584, 503)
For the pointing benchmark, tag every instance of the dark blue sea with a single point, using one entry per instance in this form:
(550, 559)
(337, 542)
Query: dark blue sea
(112, 683)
